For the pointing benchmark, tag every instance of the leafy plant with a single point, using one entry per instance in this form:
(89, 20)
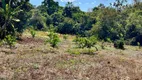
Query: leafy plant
(33, 33)
(76, 52)
(119, 44)
(108, 40)
(10, 40)
(52, 28)
(80, 42)
(103, 44)
(65, 37)
(87, 42)
(1, 42)
(53, 39)
(9, 15)
(138, 43)
(91, 41)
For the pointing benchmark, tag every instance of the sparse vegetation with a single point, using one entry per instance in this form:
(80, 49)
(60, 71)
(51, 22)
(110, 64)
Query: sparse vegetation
(119, 44)
(86, 42)
(82, 51)
(53, 39)
(103, 44)
(65, 37)
(10, 40)
(139, 45)
(93, 45)
(67, 59)
(1, 42)
(33, 33)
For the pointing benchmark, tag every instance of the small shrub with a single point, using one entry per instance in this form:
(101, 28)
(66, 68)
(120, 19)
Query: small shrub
(53, 39)
(139, 45)
(76, 52)
(1, 42)
(80, 42)
(103, 44)
(10, 40)
(33, 33)
(87, 42)
(19, 36)
(87, 51)
(108, 40)
(52, 28)
(90, 42)
(65, 37)
(36, 66)
(119, 44)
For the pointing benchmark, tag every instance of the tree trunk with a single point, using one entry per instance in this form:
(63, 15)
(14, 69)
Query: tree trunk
(3, 31)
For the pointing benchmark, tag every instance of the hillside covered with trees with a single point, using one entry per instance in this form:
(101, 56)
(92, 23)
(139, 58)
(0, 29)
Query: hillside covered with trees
(117, 21)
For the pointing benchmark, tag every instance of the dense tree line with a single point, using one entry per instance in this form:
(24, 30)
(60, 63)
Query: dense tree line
(118, 21)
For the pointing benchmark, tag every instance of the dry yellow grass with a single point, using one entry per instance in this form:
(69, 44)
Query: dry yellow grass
(32, 60)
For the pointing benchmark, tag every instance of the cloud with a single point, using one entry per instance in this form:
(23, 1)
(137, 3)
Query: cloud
(67, 0)
(93, 2)
(87, 3)
(79, 3)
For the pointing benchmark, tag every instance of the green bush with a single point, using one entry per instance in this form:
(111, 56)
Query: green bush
(52, 28)
(80, 42)
(74, 51)
(103, 44)
(119, 44)
(138, 43)
(33, 33)
(65, 37)
(53, 39)
(10, 40)
(1, 42)
(108, 40)
(87, 42)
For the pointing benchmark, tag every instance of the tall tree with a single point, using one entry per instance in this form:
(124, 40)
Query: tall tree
(51, 6)
(9, 18)
(12, 12)
(70, 9)
(119, 4)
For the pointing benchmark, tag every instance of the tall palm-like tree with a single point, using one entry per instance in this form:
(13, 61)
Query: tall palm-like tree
(9, 17)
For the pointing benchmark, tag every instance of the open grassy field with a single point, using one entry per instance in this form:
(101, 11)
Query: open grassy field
(31, 59)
